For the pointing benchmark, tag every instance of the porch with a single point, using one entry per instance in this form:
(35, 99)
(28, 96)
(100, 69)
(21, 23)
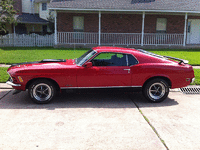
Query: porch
(126, 28)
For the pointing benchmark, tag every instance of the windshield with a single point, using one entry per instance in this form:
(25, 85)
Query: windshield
(86, 56)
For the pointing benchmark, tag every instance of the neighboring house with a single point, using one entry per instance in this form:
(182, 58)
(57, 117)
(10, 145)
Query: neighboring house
(32, 17)
(126, 22)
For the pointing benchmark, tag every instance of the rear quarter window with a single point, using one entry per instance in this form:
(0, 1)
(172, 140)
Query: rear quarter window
(132, 60)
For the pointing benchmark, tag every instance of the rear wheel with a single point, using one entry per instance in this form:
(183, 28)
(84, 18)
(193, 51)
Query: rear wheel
(42, 91)
(156, 90)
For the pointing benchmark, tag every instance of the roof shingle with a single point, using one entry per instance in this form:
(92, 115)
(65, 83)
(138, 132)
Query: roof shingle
(173, 5)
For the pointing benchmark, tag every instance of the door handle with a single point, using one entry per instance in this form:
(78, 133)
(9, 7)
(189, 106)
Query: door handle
(128, 70)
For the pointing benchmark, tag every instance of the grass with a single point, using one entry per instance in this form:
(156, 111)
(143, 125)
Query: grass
(192, 55)
(197, 77)
(9, 55)
(3, 74)
(29, 54)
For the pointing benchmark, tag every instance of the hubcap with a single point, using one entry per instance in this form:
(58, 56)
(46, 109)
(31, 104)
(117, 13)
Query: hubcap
(42, 92)
(157, 91)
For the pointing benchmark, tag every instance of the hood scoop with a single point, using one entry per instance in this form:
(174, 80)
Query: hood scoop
(42, 61)
(52, 60)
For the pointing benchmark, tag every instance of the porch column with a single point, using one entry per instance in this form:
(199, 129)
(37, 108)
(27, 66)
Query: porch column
(185, 29)
(142, 39)
(99, 28)
(55, 28)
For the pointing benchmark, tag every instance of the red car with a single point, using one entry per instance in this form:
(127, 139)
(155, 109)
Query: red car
(103, 67)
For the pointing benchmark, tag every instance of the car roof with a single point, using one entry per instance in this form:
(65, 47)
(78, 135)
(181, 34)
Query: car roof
(100, 49)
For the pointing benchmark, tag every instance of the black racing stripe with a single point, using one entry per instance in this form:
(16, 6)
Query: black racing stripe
(42, 61)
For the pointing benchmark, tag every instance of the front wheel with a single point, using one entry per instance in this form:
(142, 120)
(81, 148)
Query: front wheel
(156, 90)
(42, 91)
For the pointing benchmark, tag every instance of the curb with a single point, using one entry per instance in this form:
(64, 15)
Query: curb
(5, 86)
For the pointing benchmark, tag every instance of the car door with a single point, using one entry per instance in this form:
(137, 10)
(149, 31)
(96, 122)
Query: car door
(108, 70)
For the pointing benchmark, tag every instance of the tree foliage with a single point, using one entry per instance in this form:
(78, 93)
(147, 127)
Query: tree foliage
(7, 14)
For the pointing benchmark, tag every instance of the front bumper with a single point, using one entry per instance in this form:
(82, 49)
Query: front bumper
(12, 84)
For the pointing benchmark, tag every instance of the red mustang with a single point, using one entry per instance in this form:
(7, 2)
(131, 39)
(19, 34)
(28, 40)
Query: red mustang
(103, 67)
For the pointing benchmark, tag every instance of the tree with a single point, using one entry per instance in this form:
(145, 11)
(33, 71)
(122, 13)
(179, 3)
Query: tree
(7, 14)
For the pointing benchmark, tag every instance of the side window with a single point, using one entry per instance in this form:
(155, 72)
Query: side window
(110, 59)
(132, 60)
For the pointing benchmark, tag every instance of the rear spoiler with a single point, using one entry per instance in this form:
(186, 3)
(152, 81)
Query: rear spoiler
(181, 60)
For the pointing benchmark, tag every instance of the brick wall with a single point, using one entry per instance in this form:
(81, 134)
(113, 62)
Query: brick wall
(175, 23)
(121, 23)
(65, 22)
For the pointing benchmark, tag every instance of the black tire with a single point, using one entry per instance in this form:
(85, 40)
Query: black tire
(156, 90)
(42, 91)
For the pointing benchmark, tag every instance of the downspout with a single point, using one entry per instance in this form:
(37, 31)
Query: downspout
(55, 28)
(99, 28)
(142, 39)
(185, 29)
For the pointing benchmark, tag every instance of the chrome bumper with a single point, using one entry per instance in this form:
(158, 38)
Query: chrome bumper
(192, 80)
(12, 84)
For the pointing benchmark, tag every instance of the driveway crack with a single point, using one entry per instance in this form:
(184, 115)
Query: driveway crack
(5, 95)
(153, 128)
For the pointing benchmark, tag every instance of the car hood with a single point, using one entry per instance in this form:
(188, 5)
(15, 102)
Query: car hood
(43, 64)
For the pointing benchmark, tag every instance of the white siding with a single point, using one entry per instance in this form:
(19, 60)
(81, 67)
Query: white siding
(29, 7)
(43, 14)
(26, 6)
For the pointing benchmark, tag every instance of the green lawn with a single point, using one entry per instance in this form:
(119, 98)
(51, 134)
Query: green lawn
(197, 77)
(29, 54)
(192, 55)
(3, 74)
(26, 54)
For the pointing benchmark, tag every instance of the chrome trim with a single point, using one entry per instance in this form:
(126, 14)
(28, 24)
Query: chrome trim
(10, 77)
(12, 84)
(99, 87)
(193, 79)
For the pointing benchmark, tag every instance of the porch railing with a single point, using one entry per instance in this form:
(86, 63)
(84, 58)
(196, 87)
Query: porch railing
(92, 38)
(120, 38)
(77, 38)
(163, 39)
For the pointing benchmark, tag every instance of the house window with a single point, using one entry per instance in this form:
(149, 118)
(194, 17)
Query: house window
(161, 25)
(78, 26)
(44, 6)
(78, 23)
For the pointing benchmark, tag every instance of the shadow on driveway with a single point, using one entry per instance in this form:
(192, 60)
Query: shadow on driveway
(78, 99)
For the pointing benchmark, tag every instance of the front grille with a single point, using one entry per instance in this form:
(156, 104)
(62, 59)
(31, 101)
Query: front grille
(190, 90)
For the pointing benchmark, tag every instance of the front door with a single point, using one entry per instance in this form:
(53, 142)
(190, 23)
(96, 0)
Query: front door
(193, 36)
(108, 70)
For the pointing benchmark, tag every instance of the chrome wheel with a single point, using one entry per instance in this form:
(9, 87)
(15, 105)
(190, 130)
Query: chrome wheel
(157, 91)
(42, 92)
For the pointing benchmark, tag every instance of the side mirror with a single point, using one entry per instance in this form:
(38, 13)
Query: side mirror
(87, 65)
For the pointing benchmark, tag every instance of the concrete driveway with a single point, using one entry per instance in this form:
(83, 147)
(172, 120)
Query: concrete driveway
(99, 121)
